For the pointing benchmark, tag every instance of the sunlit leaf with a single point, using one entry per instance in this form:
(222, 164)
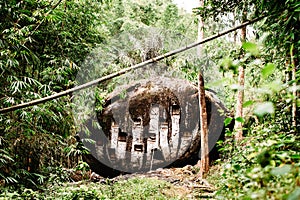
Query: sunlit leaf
(237, 167)
(240, 119)
(248, 103)
(251, 48)
(227, 121)
(228, 64)
(296, 156)
(252, 155)
(264, 108)
(268, 70)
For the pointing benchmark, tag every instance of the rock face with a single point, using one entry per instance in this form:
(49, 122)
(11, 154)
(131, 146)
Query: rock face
(151, 124)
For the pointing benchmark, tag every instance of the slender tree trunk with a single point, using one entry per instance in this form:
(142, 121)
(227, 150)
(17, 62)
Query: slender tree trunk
(204, 163)
(240, 96)
(200, 30)
(239, 107)
(204, 160)
(235, 32)
(294, 102)
(294, 106)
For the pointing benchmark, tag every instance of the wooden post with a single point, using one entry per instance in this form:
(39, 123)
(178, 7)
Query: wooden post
(204, 163)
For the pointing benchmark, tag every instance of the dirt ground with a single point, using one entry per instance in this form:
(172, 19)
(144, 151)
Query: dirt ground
(185, 181)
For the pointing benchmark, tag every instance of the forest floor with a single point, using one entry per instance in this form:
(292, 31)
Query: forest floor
(185, 181)
(163, 184)
(173, 183)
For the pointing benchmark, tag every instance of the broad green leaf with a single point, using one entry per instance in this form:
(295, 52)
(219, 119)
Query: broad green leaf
(226, 62)
(251, 48)
(240, 119)
(248, 103)
(227, 121)
(252, 155)
(295, 156)
(272, 163)
(237, 167)
(278, 171)
(268, 70)
(264, 108)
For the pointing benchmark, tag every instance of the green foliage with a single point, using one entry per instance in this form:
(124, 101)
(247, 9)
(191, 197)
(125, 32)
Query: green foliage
(282, 21)
(227, 121)
(251, 48)
(42, 45)
(265, 165)
(136, 188)
(268, 70)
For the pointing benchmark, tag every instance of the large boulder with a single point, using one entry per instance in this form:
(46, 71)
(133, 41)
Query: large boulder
(150, 124)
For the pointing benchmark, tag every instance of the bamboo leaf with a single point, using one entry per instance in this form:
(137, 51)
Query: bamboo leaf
(251, 48)
(268, 70)
(240, 119)
(248, 103)
(227, 121)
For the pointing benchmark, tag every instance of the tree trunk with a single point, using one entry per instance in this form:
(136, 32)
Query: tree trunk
(294, 102)
(200, 30)
(204, 159)
(294, 106)
(240, 96)
(204, 163)
(233, 23)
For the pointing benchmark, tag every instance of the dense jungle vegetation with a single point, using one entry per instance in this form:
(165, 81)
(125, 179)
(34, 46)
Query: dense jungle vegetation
(46, 46)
